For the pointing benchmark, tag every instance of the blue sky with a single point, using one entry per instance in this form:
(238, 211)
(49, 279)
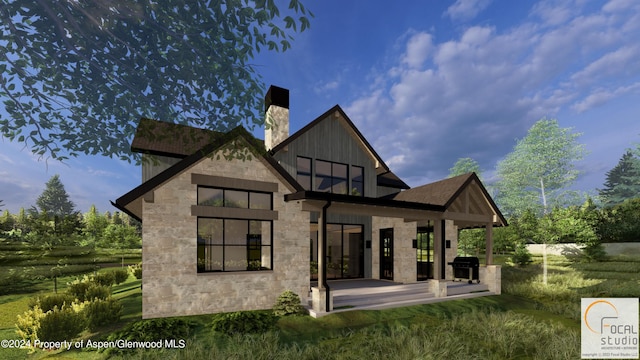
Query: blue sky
(426, 82)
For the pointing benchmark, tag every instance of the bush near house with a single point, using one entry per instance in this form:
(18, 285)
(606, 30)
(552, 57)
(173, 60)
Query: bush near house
(288, 303)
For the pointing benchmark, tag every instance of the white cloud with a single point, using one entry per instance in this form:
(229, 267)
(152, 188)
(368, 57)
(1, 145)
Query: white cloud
(476, 93)
(464, 10)
(418, 49)
(602, 96)
(621, 61)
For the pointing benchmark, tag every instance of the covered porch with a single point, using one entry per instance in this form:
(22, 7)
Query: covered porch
(372, 294)
(445, 206)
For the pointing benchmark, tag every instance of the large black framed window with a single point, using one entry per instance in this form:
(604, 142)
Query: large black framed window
(357, 180)
(303, 172)
(332, 177)
(228, 244)
(234, 245)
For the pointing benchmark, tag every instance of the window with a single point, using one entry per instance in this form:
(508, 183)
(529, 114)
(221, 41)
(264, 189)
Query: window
(331, 177)
(303, 175)
(357, 180)
(234, 198)
(234, 245)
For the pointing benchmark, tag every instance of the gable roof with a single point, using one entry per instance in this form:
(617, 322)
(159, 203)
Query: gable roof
(253, 144)
(446, 192)
(389, 179)
(342, 116)
(169, 139)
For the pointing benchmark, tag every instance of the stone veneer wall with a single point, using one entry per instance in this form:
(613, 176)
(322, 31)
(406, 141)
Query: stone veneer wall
(171, 285)
(451, 233)
(404, 255)
(404, 261)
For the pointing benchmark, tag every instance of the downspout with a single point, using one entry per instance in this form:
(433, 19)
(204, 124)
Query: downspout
(443, 246)
(324, 262)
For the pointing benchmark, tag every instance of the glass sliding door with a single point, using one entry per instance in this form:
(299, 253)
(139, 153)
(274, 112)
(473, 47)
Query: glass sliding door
(345, 251)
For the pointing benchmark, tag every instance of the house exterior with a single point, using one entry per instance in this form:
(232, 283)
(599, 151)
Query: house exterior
(229, 222)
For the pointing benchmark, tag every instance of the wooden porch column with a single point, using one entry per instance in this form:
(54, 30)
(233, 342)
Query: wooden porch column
(489, 247)
(437, 249)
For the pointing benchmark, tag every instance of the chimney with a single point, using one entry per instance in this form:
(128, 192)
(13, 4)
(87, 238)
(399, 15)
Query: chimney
(276, 125)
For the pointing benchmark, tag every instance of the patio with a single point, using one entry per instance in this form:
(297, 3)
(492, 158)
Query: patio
(372, 294)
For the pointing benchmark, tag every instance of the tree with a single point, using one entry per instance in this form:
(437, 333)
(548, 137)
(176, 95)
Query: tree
(539, 167)
(94, 225)
(73, 69)
(463, 166)
(54, 199)
(622, 182)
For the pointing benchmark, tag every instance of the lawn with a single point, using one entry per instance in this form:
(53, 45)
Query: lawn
(528, 321)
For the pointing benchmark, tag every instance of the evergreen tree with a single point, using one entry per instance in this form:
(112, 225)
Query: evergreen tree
(6, 221)
(622, 182)
(54, 199)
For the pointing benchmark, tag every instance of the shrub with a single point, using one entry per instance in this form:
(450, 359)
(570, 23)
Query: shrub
(154, 330)
(29, 323)
(244, 322)
(102, 312)
(95, 291)
(78, 289)
(288, 303)
(50, 301)
(120, 276)
(106, 278)
(521, 255)
(87, 290)
(136, 270)
(61, 324)
(594, 251)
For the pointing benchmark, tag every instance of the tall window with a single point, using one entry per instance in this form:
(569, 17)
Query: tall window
(332, 177)
(234, 244)
(303, 172)
(357, 180)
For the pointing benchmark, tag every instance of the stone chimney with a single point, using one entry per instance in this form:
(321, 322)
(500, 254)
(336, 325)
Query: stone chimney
(276, 125)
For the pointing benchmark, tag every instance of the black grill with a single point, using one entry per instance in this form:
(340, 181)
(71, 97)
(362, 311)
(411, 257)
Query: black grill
(466, 268)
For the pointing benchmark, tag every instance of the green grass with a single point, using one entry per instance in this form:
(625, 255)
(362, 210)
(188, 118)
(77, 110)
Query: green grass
(528, 321)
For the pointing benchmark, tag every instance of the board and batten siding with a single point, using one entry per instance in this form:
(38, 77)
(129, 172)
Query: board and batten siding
(330, 140)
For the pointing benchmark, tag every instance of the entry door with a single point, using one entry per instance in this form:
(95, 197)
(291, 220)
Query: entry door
(424, 252)
(386, 254)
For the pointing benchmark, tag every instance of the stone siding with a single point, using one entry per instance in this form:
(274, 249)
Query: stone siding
(171, 284)
(404, 255)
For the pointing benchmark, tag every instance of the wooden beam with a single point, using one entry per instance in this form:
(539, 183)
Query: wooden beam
(473, 218)
(489, 248)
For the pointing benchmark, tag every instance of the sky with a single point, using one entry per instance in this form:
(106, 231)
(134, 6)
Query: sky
(426, 83)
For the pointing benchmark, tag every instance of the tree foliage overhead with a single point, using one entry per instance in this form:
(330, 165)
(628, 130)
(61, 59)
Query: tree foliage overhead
(75, 76)
(622, 182)
(541, 165)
